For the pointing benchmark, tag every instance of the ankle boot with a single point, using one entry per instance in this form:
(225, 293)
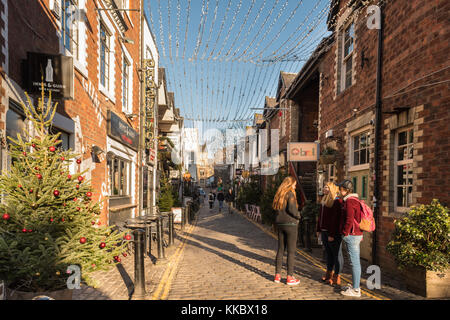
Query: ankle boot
(336, 279)
(327, 276)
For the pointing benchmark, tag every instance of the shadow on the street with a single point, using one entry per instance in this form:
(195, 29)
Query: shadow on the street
(126, 280)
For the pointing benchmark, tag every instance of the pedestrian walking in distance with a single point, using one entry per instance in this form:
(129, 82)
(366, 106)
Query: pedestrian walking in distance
(211, 200)
(352, 234)
(229, 198)
(328, 224)
(287, 218)
(220, 198)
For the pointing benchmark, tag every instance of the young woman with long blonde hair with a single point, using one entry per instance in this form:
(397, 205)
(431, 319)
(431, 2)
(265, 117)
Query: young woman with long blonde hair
(286, 206)
(328, 224)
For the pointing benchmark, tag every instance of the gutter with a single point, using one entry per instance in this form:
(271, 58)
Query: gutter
(377, 153)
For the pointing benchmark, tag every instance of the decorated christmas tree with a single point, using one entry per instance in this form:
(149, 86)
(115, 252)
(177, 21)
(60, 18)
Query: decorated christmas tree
(48, 220)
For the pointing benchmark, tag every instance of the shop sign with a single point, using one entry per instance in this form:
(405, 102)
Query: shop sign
(303, 151)
(53, 72)
(121, 131)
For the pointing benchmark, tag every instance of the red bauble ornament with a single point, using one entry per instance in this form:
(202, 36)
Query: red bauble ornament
(62, 219)
(52, 149)
(62, 158)
(19, 186)
(99, 223)
(92, 222)
(75, 199)
(89, 194)
(93, 265)
(24, 230)
(56, 193)
(77, 186)
(116, 257)
(83, 240)
(31, 190)
(80, 178)
(39, 176)
(29, 230)
(118, 260)
(127, 237)
(6, 216)
(24, 153)
(78, 161)
(280, 114)
(36, 168)
(51, 220)
(124, 254)
(102, 245)
(69, 177)
(78, 208)
(33, 145)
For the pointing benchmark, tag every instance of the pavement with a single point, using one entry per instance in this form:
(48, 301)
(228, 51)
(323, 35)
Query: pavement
(226, 256)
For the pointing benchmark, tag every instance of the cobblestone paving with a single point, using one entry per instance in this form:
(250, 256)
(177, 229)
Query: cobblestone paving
(228, 257)
(117, 283)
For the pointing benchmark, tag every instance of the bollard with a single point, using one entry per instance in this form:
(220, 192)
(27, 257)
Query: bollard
(171, 229)
(139, 272)
(159, 236)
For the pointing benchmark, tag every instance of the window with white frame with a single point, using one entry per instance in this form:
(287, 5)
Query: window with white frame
(346, 63)
(105, 40)
(331, 170)
(69, 27)
(119, 174)
(125, 85)
(404, 148)
(360, 148)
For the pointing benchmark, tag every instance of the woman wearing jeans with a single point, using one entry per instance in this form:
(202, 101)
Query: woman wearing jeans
(352, 235)
(328, 229)
(286, 206)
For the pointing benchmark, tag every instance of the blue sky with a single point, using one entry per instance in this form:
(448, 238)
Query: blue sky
(222, 57)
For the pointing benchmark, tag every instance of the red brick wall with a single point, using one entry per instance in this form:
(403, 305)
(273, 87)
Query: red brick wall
(415, 60)
(36, 26)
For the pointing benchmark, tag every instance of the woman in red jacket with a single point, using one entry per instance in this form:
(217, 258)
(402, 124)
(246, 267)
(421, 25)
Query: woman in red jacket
(328, 229)
(352, 234)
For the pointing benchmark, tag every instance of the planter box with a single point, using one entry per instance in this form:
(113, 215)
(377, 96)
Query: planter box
(65, 294)
(429, 284)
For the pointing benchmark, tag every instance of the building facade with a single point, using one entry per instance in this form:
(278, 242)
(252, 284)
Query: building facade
(414, 108)
(97, 48)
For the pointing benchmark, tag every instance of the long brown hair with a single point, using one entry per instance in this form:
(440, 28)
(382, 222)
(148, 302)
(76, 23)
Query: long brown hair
(279, 201)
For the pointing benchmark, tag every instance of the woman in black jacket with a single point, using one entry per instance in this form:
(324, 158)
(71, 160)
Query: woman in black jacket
(288, 216)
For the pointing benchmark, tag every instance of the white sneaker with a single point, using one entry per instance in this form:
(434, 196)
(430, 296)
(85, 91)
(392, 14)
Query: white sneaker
(350, 292)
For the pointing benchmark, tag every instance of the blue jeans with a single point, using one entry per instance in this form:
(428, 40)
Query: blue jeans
(335, 259)
(220, 205)
(353, 243)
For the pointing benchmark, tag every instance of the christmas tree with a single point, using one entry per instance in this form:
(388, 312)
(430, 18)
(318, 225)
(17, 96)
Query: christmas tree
(48, 220)
(166, 200)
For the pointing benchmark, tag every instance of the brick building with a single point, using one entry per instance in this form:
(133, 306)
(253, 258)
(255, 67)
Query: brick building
(414, 104)
(99, 49)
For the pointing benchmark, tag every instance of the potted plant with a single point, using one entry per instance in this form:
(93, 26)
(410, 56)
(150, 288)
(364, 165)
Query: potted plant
(328, 156)
(421, 248)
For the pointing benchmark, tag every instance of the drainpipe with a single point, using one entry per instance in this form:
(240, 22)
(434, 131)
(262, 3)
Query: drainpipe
(378, 124)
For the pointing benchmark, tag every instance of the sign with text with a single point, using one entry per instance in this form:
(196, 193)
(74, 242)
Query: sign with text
(54, 72)
(303, 151)
(121, 131)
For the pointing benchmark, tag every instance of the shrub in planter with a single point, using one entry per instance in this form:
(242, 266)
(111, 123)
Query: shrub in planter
(421, 246)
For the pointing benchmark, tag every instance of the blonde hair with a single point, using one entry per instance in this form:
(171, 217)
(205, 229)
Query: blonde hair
(328, 199)
(279, 201)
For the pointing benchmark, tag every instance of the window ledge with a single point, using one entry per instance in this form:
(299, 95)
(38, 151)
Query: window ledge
(361, 167)
(81, 69)
(106, 93)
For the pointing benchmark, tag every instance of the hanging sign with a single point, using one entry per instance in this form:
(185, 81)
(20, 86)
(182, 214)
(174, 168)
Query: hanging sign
(303, 151)
(121, 131)
(54, 72)
(150, 95)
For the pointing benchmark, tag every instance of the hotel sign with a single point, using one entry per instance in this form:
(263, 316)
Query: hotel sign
(122, 132)
(303, 151)
(54, 72)
(150, 95)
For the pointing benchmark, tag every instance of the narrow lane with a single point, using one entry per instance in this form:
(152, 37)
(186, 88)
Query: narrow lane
(227, 257)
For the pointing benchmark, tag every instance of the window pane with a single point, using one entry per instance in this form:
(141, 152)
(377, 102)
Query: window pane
(14, 124)
(356, 143)
(348, 40)
(401, 175)
(410, 152)
(409, 196)
(364, 187)
(411, 136)
(123, 178)
(402, 153)
(409, 168)
(401, 197)
(402, 138)
(363, 141)
(362, 156)
(356, 158)
(355, 184)
(348, 73)
(116, 177)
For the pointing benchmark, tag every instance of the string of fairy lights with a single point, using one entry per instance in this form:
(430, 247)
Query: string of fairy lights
(223, 57)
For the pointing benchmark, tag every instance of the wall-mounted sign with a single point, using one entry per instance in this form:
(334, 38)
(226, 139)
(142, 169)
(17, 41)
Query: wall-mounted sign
(55, 72)
(150, 95)
(303, 151)
(121, 131)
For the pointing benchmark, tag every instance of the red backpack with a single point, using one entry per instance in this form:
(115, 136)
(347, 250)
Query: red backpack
(367, 221)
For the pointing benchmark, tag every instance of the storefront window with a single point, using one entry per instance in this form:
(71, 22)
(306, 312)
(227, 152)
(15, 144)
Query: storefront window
(15, 124)
(118, 175)
(64, 137)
